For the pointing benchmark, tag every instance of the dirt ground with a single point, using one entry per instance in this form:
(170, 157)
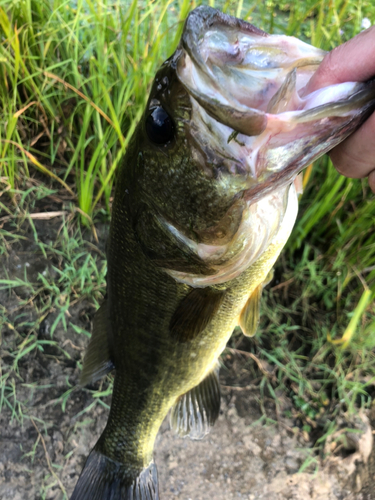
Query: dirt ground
(48, 425)
(238, 459)
(242, 457)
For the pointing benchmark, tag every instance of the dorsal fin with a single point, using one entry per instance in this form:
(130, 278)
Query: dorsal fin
(196, 411)
(194, 313)
(98, 360)
(250, 314)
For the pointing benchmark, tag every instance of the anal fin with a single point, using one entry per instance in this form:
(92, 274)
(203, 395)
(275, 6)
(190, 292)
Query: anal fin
(197, 410)
(97, 361)
(250, 314)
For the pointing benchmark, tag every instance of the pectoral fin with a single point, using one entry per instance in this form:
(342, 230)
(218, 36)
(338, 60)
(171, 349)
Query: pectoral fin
(98, 360)
(194, 313)
(196, 411)
(249, 317)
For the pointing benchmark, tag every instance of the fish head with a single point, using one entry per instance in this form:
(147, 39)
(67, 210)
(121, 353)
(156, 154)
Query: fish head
(226, 130)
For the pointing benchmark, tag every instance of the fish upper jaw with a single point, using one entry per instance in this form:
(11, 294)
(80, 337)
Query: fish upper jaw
(237, 66)
(246, 89)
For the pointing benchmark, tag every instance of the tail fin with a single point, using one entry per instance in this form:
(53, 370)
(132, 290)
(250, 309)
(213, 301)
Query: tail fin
(105, 479)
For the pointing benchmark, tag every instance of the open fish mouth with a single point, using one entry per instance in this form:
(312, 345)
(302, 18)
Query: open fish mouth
(232, 98)
(247, 91)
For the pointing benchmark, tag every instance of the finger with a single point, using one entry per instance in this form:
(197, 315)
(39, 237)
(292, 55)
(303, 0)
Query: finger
(371, 181)
(355, 156)
(358, 54)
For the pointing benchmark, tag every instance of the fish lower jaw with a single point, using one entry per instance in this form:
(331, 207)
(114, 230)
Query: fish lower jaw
(239, 158)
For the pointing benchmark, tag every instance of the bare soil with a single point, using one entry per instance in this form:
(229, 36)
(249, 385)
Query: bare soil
(45, 437)
(238, 459)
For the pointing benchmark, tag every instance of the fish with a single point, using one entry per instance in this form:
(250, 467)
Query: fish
(205, 200)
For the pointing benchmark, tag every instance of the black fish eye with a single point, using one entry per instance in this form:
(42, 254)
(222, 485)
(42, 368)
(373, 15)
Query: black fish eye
(159, 126)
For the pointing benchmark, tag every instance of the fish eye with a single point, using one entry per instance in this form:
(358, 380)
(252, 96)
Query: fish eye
(159, 126)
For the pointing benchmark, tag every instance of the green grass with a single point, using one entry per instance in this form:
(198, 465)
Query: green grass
(73, 82)
(72, 269)
(48, 277)
(74, 78)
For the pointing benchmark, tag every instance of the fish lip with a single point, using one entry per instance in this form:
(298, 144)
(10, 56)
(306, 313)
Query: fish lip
(219, 103)
(204, 17)
(197, 23)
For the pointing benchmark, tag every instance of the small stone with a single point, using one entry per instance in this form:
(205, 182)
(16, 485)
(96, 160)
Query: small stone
(249, 443)
(276, 441)
(358, 483)
(292, 465)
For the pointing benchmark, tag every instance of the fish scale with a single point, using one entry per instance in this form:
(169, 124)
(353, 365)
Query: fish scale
(205, 200)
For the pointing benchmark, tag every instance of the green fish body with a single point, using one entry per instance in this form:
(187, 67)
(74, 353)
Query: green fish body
(205, 201)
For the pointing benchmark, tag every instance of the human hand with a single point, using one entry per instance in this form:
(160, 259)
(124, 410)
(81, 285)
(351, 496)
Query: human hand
(353, 61)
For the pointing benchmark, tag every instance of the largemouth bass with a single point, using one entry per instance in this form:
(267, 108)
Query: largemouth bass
(205, 200)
